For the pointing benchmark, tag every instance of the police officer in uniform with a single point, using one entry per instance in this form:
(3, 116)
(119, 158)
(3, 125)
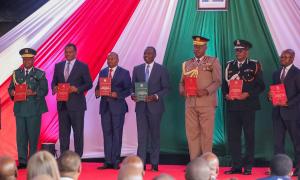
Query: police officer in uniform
(28, 113)
(241, 110)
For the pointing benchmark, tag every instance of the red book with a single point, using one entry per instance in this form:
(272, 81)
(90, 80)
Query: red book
(63, 91)
(235, 88)
(105, 86)
(20, 92)
(278, 94)
(190, 86)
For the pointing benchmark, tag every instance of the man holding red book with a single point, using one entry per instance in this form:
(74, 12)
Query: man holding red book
(71, 79)
(285, 113)
(200, 80)
(28, 88)
(113, 86)
(244, 83)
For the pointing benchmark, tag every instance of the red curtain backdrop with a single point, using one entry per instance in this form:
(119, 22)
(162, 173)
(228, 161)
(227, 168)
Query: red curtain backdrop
(94, 28)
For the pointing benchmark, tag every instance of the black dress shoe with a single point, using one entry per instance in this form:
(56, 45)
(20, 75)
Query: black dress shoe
(154, 167)
(247, 172)
(22, 166)
(105, 166)
(233, 171)
(296, 172)
(116, 166)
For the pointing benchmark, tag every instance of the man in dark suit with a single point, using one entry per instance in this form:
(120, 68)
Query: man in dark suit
(150, 111)
(28, 112)
(286, 116)
(113, 109)
(71, 112)
(241, 110)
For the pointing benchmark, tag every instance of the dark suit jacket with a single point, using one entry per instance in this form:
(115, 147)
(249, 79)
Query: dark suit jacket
(292, 87)
(80, 78)
(121, 84)
(254, 88)
(158, 84)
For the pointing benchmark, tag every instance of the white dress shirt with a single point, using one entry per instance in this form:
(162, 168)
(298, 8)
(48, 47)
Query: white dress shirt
(72, 62)
(150, 67)
(113, 71)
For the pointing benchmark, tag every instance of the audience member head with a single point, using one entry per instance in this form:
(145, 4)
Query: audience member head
(198, 169)
(164, 176)
(69, 165)
(129, 172)
(213, 162)
(281, 165)
(8, 168)
(42, 163)
(134, 161)
(42, 177)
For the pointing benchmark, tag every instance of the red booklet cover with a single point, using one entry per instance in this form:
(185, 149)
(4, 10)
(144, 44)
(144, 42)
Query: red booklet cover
(235, 88)
(190, 86)
(105, 86)
(20, 92)
(278, 94)
(63, 91)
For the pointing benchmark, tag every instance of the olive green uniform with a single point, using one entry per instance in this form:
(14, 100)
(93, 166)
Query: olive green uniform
(28, 113)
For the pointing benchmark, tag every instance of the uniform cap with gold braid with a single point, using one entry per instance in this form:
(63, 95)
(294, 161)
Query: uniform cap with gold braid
(27, 52)
(199, 40)
(242, 44)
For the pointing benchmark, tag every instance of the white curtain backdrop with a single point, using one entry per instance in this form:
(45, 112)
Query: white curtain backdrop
(283, 19)
(32, 32)
(150, 25)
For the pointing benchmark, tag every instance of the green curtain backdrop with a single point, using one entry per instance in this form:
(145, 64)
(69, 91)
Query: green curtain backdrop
(243, 20)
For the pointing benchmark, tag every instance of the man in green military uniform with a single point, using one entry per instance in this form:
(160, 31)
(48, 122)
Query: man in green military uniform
(28, 112)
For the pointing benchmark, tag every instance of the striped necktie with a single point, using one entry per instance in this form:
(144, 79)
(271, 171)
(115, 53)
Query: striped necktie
(67, 71)
(147, 73)
(283, 75)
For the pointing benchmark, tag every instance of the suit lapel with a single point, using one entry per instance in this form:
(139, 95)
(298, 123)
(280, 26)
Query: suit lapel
(142, 71)
(289, 74)
(153, 72)
(277, 76)
(115, 74)
(104, 72)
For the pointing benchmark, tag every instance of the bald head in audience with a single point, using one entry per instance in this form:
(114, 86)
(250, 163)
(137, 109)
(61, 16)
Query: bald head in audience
(69, 165)
(130, 172)
(8, 168)
(134, 161)
(198, 169)
(213, 163)
(164, 176)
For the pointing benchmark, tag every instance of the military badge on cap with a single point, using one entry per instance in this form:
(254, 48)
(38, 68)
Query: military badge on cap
(242, 44)
(199, 40)
(27, 52)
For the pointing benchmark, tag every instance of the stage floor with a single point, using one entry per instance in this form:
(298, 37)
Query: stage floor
(89, 172)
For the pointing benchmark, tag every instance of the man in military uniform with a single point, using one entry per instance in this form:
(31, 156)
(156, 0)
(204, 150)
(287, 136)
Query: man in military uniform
(200, 109)
(28, 112)
(241, 110)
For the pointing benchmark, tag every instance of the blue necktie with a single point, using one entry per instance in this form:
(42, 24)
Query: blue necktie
(147, 72)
